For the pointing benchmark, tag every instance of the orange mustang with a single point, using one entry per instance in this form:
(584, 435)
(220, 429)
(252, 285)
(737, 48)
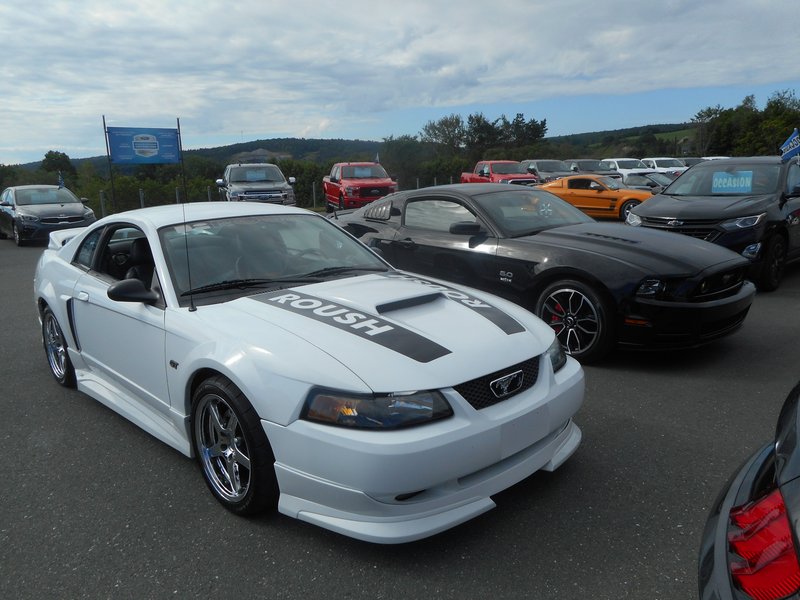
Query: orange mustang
(597, 195)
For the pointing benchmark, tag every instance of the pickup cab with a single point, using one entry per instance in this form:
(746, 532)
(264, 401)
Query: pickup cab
(499, 171)
(354, 184)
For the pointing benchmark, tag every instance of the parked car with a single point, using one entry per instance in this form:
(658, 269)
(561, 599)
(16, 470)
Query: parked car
(354, 184)
(690, 161)
(301, 370)
(750, 205)
(28, 213)
(591, 166)
(595, 283)
(652, 182)
(624, 166)
(546, 170)
(256, 182)
(749, 546)
(499, 171)
(664, 164)
(597, 196)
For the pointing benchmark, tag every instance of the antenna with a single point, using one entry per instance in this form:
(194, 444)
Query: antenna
(192, 307)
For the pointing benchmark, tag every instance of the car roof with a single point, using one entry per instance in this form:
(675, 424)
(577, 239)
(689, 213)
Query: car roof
(36, 186)
(766, 160)
(171, 214)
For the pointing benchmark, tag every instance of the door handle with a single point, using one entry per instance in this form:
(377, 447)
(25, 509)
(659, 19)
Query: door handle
(83, 296)
(407, 243)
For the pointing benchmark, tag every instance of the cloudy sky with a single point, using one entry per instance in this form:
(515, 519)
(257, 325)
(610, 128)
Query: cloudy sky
(241, 70)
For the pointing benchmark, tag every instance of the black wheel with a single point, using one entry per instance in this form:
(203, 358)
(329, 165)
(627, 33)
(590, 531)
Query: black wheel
(341, 202)
(580, 317)
(626, 208)
(55, 348)
(232, 449)
(774, 263)
(17, 238)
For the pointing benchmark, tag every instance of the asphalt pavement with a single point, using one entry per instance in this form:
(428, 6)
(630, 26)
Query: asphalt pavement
(93, 507)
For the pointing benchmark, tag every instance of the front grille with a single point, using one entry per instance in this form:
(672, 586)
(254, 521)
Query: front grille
(373, 192)
(720, 285)
(523, 181)
(478, 393)
(57, 220)
(700, 229)
(265, 196)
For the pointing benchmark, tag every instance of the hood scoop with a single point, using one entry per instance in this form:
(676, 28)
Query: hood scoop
(410, 302)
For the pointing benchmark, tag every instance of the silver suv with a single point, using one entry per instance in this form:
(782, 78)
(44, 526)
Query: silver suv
(256, 182)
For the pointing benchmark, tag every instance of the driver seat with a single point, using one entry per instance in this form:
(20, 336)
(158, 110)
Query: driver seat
(141, 262)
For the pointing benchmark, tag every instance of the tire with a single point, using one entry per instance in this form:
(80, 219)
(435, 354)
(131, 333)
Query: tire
(626, 207)
(232, 449)
(580, 316)
(774, 264)
(55, 348)
(17, 237)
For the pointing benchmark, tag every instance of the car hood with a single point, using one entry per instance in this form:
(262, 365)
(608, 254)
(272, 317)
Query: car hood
(651, 251)
(391, 330)
(367, 181)
(703, 207)
(68, 209)
(259, 185)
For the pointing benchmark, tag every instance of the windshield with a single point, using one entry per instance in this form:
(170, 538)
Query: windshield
(256, 173)
(240, 255)
(53, 195)
(610, 183)
(594, 165)
(631, 163)
(509, 168)
(364, 172)
(660, 179)
(551, 165)
(669, 163)
(740, 179)
(522, 211)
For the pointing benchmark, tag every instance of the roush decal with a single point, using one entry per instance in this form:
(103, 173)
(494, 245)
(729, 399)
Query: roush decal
(505, 322)
(369, 327)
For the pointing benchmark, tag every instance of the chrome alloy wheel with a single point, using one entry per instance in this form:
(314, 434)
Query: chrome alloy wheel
(574, 318)
(222, 448)
(54, 347)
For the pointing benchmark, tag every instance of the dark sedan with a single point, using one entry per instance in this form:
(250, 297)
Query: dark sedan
(749, 546)
(750, 205)
(594, 283)
(28, 213)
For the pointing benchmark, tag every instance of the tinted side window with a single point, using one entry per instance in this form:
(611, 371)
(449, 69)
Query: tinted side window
(84, 255)
(436, 215)
(793, 179)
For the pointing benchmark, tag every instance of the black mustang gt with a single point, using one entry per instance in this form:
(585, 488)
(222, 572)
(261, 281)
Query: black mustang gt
(594, 283)
(749, 547)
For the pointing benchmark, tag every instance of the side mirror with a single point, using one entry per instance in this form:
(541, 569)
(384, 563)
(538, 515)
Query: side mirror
(465, 228)
(292, 180)
(131, 290)
(532, 170)
(84, 200)
(595, 186)
(574, 168)
(220, 182)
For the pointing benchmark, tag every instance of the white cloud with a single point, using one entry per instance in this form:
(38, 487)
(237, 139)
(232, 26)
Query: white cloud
(303, 68)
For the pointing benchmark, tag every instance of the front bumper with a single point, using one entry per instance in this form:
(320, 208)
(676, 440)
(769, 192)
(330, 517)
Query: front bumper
(36, 231)
(660, 324)
(400, 486)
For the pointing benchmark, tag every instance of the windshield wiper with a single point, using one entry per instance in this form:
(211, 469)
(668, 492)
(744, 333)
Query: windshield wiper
(339, 270)
(243, 284)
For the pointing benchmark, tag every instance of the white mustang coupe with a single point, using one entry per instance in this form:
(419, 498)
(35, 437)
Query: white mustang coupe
(304, 372)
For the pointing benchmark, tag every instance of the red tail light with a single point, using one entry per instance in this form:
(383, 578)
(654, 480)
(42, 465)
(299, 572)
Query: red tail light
(762, 536)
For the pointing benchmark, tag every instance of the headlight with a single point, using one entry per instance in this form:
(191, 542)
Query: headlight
(234, 195)
(742, 222)
(633, 219)
(88, 213)
(29, 218)
(650, 288)
(351, 190)
(558, 358)
(379, 411)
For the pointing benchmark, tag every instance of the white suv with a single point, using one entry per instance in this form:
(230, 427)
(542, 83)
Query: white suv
(664, 164)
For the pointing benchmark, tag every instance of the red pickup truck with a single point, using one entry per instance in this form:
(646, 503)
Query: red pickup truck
(499, 171)
(354, 184)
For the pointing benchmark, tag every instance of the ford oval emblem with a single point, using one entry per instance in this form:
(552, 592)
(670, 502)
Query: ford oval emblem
(507, 384)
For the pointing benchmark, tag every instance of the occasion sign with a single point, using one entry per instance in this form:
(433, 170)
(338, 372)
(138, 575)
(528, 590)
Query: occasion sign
(136, 145)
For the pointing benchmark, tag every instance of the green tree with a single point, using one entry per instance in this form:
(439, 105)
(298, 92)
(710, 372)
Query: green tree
(55, 161)
(448, 134)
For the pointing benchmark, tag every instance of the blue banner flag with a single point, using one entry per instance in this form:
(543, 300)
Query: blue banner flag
(137, 145)
(791, 147)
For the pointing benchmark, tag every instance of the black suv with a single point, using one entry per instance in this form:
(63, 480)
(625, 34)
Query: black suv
(750, 205)
(256, 182)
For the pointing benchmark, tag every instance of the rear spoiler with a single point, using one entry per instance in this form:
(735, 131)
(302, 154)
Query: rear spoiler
(62, 236)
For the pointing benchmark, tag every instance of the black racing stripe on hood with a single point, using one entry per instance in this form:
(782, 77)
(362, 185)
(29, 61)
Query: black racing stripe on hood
(366, 326)
(505, 322)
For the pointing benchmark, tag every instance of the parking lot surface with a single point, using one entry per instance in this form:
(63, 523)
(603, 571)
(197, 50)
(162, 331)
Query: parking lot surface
(93, 507)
